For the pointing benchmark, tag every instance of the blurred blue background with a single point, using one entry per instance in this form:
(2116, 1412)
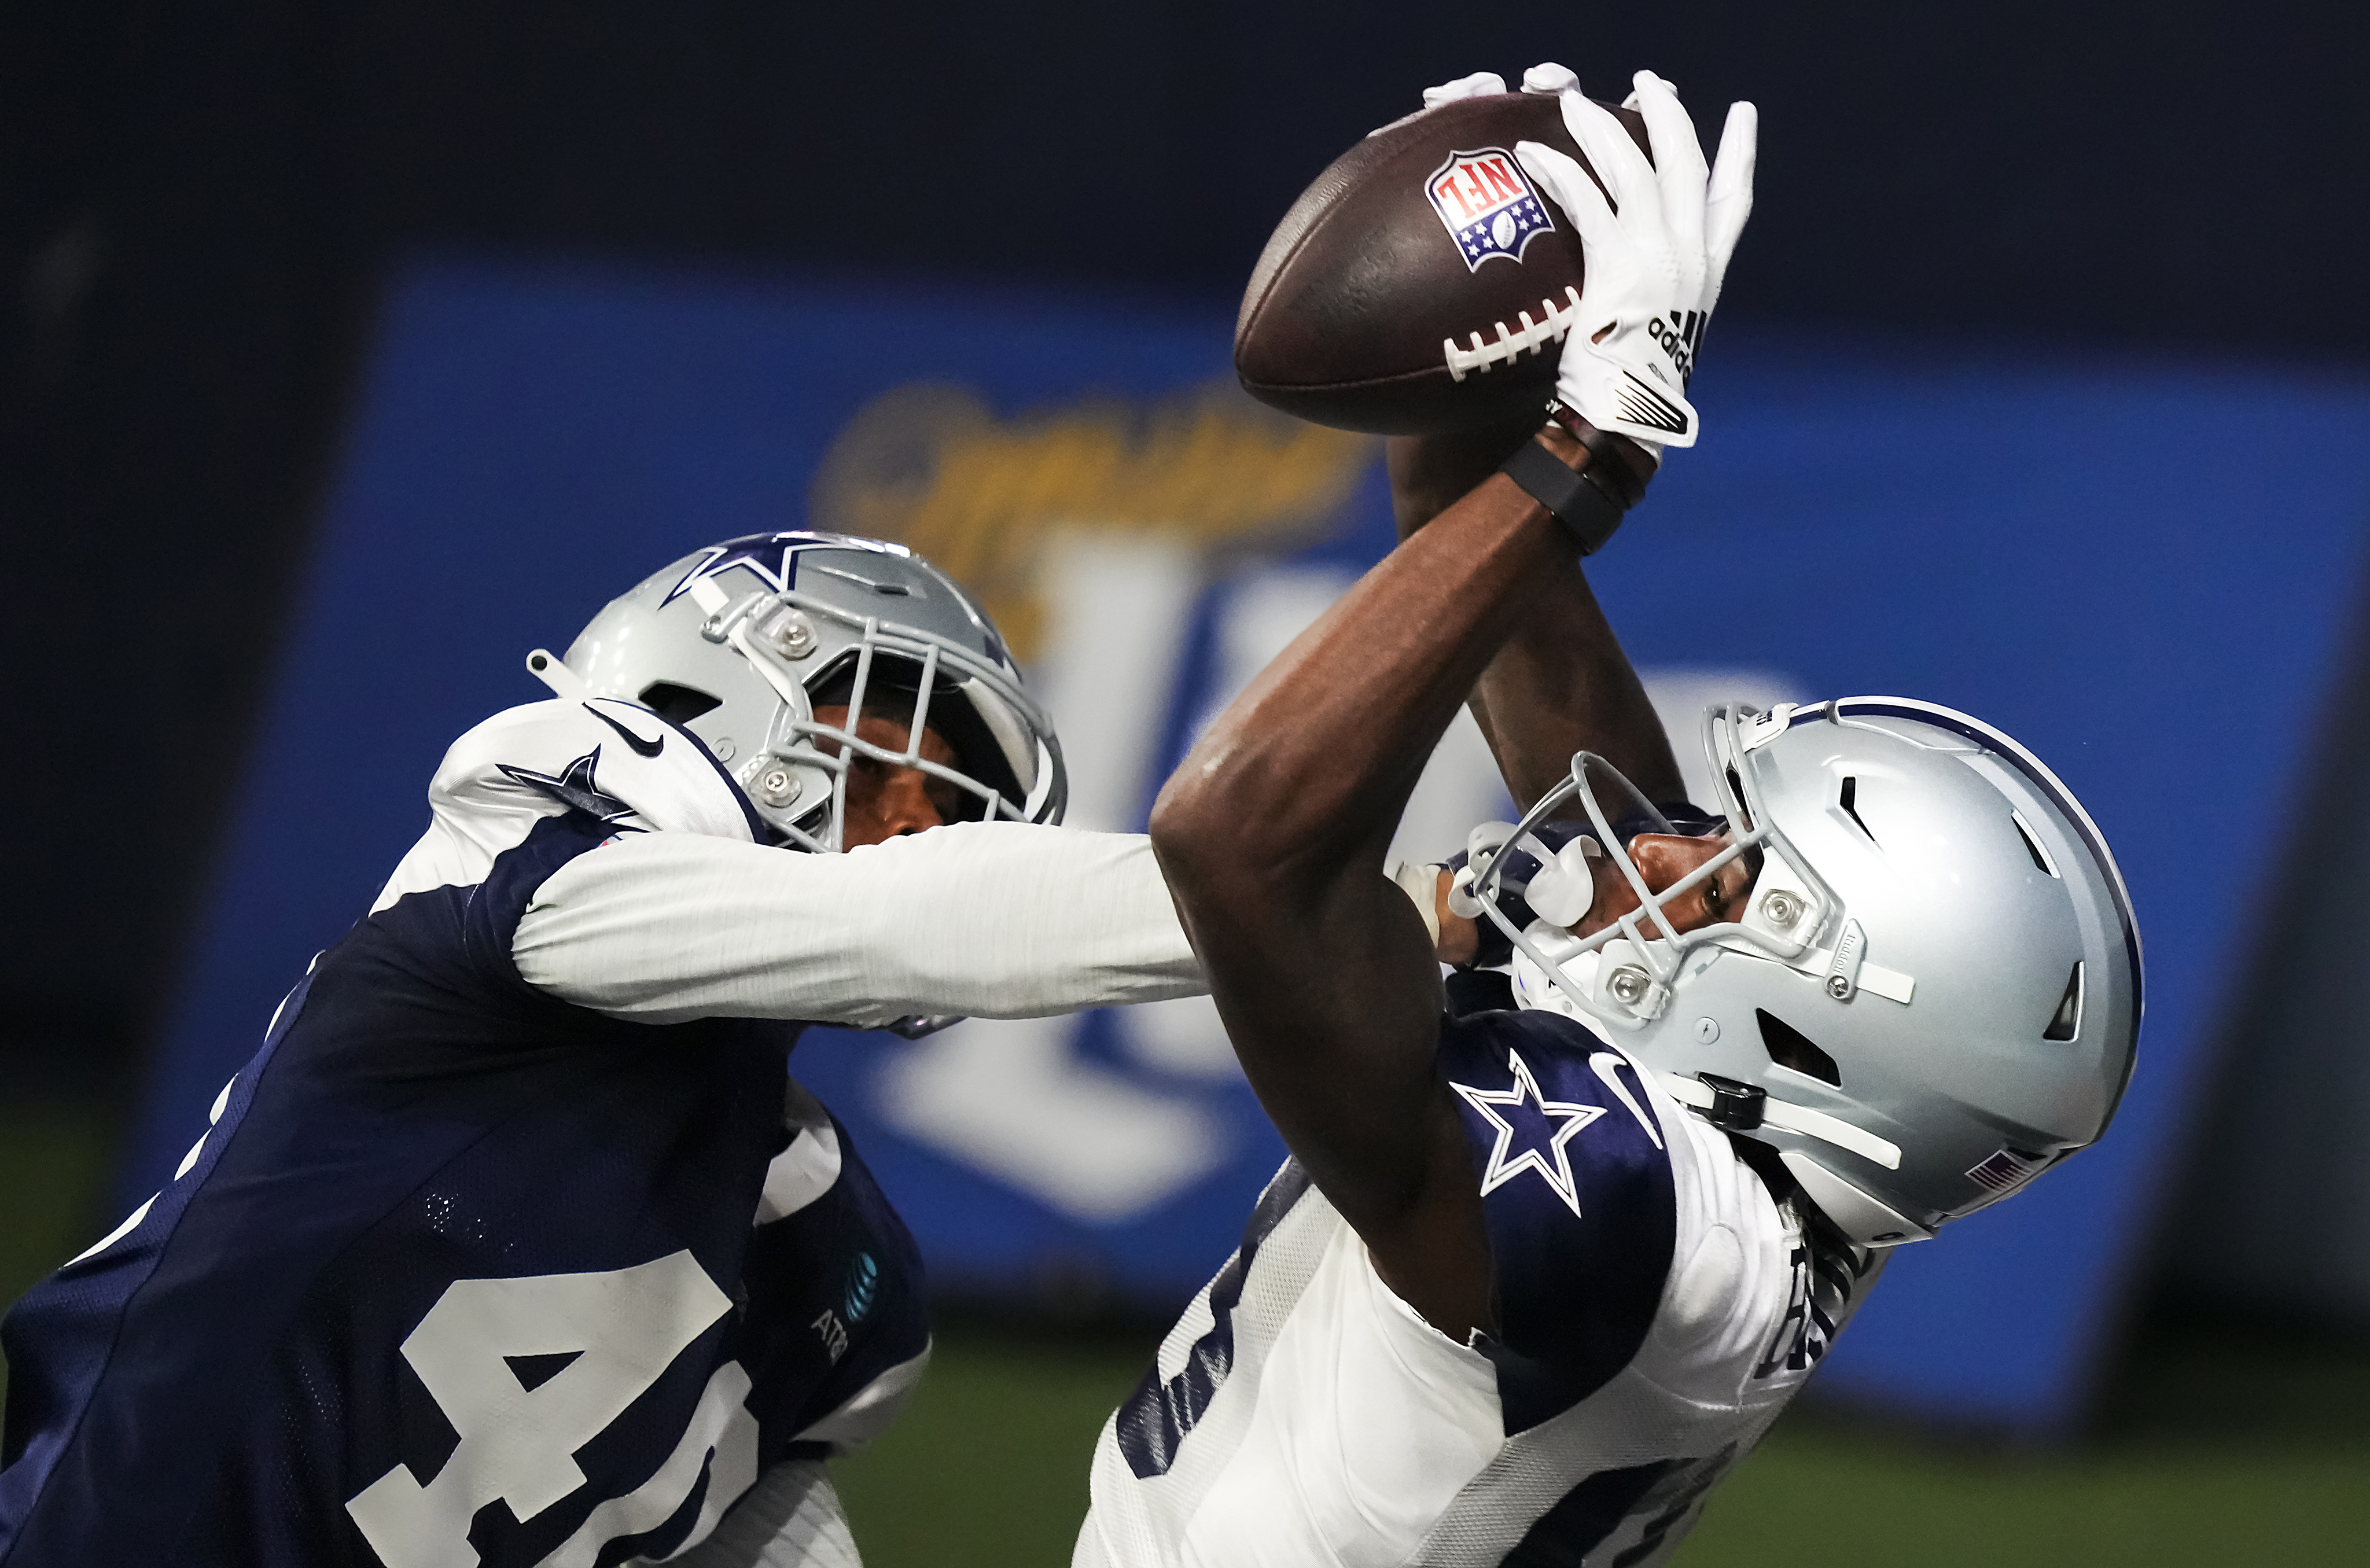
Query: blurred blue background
(350, 351)
(529, 441)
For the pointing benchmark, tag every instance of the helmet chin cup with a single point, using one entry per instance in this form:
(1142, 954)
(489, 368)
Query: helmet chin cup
(1596, 986)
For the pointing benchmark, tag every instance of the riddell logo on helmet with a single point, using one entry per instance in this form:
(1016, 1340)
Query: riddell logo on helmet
(1486, 205)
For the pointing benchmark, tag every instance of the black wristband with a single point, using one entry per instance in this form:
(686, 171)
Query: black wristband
(1585, 507)
(1608, 465)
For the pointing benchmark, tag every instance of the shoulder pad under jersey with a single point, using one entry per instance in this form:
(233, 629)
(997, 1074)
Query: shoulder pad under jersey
(616, 761)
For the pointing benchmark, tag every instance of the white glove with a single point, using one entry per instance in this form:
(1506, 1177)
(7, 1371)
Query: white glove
(1481, 84)
(1543, 81)
(1654, 265)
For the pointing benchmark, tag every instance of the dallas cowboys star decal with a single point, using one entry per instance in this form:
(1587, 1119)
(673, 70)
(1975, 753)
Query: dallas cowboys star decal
(1546, 1126)
(575, 787)
(773, 556)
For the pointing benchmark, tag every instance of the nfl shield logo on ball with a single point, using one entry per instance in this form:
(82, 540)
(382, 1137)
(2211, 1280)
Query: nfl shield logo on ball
(1486, 204)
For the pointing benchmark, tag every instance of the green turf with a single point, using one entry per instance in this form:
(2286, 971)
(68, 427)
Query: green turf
(988, 1465)
(53, 1167)
(1816, 1493)
(2220, 1446)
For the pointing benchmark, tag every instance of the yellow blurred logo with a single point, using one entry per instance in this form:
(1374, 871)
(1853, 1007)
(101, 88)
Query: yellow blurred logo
(932, 467)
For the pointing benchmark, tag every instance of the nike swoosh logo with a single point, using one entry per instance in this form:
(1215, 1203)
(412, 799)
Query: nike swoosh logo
(641, 747)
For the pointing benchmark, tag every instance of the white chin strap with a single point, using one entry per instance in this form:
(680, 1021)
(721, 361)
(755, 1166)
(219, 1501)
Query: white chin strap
(1861, 1216)
(1794, 1118)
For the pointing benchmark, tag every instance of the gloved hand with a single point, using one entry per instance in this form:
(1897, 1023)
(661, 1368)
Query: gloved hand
(1540, 81)
(1654, 264)
(1481, 84)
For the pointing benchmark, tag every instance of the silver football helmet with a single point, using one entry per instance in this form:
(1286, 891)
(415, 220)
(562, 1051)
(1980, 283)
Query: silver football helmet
(1931, 993)
(739, 643)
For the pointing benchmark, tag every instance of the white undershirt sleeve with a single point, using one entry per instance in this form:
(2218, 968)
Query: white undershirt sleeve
(980, 919)
(791, 1518)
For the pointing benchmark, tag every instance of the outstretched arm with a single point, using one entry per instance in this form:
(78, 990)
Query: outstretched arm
(1657, 257)
(1560, 683)
(1001, 919)
(1271, 834)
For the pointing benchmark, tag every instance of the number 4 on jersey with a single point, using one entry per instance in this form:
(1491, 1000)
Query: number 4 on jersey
(624, 1328)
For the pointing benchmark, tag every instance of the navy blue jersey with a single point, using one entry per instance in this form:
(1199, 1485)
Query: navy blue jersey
(460, 1272)
(1578, 1198)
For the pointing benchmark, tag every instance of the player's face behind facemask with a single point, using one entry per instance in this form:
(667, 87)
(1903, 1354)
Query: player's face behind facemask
(883, 797)
(885, 800)
(1666, 879)
(1662, 861)
(741, 643)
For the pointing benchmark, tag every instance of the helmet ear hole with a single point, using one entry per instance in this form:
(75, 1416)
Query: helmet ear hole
(1849, 798)
(1789, 1047)
(677, 704)
(2067, 1020)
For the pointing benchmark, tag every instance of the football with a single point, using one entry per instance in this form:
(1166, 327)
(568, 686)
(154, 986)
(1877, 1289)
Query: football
(1423, 283)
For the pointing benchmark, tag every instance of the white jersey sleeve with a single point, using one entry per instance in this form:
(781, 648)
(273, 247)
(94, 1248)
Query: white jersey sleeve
(791, 1518)
(617, 762)
(683, 913)
(982, 919)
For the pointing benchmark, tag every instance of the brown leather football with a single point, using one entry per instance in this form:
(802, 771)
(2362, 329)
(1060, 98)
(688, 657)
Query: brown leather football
(1419, 285)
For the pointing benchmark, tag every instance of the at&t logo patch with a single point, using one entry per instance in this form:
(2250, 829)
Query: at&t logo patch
(1488, 206)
